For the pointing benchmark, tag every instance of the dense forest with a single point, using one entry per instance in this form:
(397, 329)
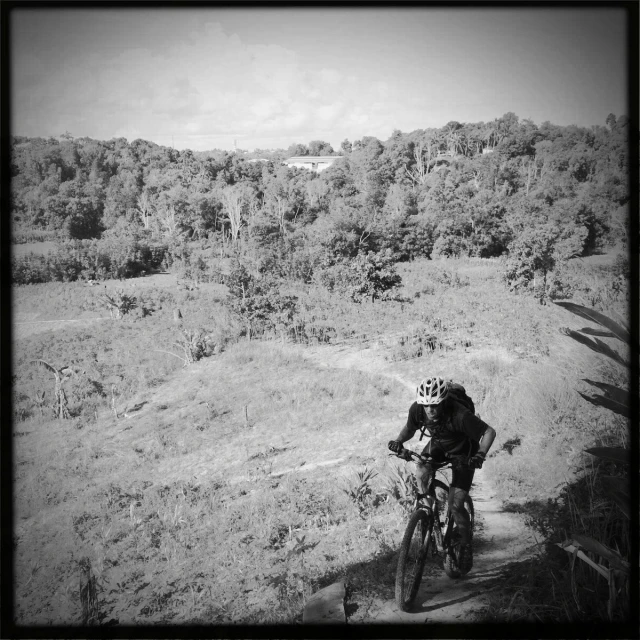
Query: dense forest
(535, 194)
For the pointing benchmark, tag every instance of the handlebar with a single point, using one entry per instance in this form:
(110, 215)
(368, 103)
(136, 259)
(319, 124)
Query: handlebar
(453, 461)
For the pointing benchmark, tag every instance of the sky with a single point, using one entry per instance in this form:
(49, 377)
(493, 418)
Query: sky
(211, 77)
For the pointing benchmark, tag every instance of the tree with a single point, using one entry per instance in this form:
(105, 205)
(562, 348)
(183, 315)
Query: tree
(298, 149)
(168, 220)
(317, 192)
(284, 194)
(531, 253)
(423, 157)
(235, 199)
(367, 276)
(61, 376)
(145, 208)
(121, 197)
(320, 148)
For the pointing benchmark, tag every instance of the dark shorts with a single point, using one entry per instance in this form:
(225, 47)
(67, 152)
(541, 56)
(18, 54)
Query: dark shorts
(460, 478)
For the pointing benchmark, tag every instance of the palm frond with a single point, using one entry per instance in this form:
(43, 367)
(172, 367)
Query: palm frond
(597, 332)
(614, 559)
(616, 454)
(610, 391)
(623, 322)
(607, 403)
(46, 365)
(595, 345)
(599, 318)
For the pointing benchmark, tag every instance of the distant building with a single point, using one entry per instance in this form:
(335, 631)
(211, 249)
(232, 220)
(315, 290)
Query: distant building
(258, 160)
(487, 150)
(313, 163)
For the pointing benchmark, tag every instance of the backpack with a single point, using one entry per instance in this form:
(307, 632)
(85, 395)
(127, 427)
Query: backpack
(458, 393)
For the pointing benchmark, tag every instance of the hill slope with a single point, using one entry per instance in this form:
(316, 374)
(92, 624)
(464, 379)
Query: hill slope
(233, 489)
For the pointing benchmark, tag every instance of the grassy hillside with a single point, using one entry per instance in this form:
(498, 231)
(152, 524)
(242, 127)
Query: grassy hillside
(232, 489)
(176, 506)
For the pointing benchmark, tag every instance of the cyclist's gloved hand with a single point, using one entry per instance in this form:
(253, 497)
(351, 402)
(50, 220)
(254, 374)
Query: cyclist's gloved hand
(395, 446)
(477, 460)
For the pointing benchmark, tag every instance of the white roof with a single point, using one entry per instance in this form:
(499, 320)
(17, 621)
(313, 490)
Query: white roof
(312, 158)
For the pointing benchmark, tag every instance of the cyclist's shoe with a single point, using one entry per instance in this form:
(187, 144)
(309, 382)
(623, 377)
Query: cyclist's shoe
(465, 558)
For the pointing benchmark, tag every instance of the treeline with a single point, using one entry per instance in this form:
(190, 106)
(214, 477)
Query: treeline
(537, 193)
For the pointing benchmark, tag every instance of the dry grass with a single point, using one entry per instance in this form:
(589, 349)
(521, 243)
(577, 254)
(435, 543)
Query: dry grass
(175, 506)
(204, 493)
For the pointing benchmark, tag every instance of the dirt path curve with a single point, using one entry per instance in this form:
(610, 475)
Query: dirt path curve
(500, 538)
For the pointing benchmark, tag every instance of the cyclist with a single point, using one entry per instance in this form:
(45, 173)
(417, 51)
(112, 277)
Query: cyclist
(454, 431)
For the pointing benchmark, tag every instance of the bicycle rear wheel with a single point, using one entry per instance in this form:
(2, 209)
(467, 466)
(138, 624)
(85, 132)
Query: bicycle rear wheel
(442, 496)
(414, 549)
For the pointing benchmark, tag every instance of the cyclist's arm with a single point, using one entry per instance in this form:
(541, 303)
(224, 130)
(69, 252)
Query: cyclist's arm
(406, 434)
(487, 439)
(479, 431)
(411, 426)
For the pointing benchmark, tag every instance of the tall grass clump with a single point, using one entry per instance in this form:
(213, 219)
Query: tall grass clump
(584, 572)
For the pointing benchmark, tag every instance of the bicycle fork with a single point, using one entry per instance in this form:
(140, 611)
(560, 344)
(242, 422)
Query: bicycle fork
(439, 539)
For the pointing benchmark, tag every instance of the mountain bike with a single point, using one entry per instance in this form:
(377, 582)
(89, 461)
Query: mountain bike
(431, 531)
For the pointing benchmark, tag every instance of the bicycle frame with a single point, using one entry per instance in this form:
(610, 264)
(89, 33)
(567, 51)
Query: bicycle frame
(441, 530)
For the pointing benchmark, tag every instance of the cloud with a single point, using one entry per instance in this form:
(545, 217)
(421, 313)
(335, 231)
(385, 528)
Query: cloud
(210, 84)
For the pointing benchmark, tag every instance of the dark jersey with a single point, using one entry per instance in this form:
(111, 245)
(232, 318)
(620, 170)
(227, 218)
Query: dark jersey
(459, 432)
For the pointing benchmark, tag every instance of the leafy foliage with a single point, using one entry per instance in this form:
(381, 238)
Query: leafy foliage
(111, 257)
(259, 301)
(540, 194)
(616, 487)
(367, 276)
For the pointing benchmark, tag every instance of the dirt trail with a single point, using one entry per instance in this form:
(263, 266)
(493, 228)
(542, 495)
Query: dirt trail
(500, 538)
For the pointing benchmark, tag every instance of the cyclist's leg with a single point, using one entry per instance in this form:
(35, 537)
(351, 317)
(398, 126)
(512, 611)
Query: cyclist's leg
(424, 476)
(460, 484)
(425, 472)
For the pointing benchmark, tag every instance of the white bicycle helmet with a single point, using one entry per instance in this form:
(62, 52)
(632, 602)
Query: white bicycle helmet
(432, 391)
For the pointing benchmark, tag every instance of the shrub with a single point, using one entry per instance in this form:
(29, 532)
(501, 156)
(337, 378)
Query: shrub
(26, 236)
(89, 259)
(452, 239)
(259, 301)
(368, 276)
(450, 246)
(30, 269)
(621, 267)
(417, 239)
(532, 252)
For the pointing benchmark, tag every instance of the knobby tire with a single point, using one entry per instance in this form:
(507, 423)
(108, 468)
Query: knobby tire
(450, 562)
(413, 555)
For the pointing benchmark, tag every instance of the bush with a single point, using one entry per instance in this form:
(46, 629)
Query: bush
(27, 236)
(30, 269)
(89, 260)
(530, 253)
(259, 301)
(621, 268)
(450, 246)
(417, 240)
(367, 276)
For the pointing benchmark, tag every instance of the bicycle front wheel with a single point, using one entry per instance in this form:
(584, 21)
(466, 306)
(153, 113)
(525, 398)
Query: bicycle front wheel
(413, 554)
